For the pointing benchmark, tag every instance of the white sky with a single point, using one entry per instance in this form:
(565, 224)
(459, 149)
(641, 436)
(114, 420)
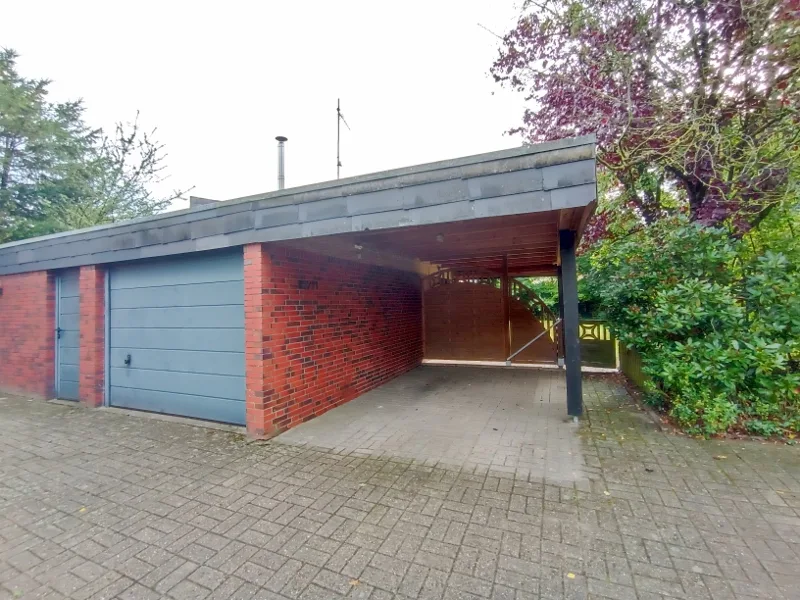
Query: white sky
(221, 79)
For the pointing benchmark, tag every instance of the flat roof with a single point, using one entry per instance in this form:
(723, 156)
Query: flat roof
(552, 176)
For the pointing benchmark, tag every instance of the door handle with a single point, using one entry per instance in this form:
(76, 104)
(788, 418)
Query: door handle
(58, 333)
(127, 360)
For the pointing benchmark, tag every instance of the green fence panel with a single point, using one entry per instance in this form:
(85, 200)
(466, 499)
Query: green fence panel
(630, 363)
(598, 344)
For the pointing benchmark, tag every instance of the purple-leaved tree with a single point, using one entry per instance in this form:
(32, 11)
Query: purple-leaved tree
(698, 99)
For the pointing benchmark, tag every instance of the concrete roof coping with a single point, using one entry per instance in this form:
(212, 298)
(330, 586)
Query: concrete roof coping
(426, 167)
(288, 196)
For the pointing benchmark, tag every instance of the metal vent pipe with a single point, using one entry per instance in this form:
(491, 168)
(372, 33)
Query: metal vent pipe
(281, 178)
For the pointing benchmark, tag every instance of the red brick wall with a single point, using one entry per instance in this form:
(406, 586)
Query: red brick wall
(27, 333)
(92, 340)
(321, 331)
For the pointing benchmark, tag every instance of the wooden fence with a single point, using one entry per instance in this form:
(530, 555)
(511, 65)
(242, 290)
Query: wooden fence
(598, 344)
(630, 363)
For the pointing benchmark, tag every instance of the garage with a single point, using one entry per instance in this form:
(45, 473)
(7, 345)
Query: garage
(176, 336)
(272, 309)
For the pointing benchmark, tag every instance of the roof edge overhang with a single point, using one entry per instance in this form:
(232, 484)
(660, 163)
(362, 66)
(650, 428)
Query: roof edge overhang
(535, 178)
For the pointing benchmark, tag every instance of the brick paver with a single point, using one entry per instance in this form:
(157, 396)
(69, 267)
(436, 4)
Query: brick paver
(510, 421)
(96, 504)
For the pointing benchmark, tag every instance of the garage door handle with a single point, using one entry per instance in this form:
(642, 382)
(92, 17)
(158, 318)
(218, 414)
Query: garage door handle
(128, 360)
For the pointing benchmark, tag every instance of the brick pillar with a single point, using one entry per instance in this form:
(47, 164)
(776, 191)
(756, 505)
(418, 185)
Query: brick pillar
(91, 386)
(258, 322)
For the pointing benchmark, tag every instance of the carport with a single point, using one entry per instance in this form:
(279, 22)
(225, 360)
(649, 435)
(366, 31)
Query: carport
(513, 216)
(271, 309)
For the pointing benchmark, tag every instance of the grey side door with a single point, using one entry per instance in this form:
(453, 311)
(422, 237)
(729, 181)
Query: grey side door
(176, 336)
(67, 334)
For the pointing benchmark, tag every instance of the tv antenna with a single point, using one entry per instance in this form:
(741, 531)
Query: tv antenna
(339, 120)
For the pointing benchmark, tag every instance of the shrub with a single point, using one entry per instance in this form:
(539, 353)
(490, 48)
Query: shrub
(718, 327)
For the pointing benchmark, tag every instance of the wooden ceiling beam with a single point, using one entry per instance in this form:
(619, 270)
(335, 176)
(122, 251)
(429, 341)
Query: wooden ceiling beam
(498, 241)
(473, 225)
(493, 261)
(499, 251)
(532, 234)
(548, 258)
(535, 231)
(443, 254)
(467, 227)
(427, 253)
(534, 272)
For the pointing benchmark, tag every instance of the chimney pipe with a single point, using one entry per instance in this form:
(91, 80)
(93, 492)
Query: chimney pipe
(281, 180)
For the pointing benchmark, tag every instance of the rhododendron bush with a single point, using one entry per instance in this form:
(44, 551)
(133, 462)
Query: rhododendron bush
(692, 254)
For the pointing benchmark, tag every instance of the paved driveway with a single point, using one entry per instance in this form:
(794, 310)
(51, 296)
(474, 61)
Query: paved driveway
(97, 504)
(511, 422)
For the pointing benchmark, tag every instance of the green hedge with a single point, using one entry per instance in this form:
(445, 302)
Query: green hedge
(716, 323)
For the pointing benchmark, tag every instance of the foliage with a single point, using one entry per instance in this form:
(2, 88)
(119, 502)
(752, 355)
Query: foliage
(546, 288)
(112, 183)
(40, 142)
(717, 324)
(693, 255)
(696, 101)
(57, 173)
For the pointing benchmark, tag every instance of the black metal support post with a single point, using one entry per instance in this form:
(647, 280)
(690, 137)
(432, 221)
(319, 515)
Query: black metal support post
(560, 330)
(569, 302)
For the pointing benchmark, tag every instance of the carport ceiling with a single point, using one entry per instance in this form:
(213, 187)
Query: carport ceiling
(529, 241)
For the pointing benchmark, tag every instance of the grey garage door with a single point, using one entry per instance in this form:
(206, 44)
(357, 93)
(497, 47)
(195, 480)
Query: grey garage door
(176, 339)
(67, 334)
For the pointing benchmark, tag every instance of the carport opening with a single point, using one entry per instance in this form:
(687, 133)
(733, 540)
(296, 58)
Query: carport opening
(474, 306)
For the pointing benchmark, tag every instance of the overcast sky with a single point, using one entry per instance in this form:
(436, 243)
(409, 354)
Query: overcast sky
(221, 79)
